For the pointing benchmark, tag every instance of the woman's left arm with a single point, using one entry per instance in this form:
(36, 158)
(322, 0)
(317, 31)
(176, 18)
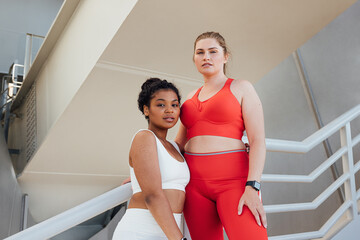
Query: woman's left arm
(254, 124)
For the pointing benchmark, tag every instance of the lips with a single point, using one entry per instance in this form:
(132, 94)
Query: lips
(169, 119)
(206, 65)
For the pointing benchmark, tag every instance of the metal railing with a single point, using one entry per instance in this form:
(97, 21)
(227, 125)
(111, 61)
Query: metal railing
(33, 44)
(74, 216)
(15, 85)
(91, 208)
(345, 152)
(10, 84)
(4, 95)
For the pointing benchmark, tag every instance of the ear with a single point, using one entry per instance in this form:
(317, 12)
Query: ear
(226, 57)
(146, 110)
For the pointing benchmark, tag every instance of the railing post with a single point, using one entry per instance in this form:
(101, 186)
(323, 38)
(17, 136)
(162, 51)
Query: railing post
(27, 60)
(348, 166)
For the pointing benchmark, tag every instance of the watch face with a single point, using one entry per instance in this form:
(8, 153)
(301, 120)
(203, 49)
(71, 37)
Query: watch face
(253, 184)
(257, 185)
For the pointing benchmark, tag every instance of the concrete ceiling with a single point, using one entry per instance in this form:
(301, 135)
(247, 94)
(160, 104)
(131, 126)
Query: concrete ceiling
(158, 35)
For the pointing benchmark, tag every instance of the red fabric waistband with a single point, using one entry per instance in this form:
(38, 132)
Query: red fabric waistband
(218, 166)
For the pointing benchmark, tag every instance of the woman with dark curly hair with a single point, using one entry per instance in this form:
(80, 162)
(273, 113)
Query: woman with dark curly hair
(159, 173)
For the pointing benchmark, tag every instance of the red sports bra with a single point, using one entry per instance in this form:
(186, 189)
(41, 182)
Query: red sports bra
(219, 115)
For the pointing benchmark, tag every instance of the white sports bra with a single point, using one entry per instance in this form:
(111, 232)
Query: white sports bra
(174, 174)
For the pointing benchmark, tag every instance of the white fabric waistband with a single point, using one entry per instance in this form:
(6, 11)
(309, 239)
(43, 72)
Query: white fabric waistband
(141, 220)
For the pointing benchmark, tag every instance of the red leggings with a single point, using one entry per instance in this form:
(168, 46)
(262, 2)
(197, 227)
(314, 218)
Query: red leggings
(217, 182)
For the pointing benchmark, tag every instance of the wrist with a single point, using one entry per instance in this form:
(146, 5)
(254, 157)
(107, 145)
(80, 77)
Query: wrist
(254, 185)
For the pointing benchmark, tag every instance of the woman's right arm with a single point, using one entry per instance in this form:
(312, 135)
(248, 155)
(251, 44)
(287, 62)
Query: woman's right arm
(144, 160)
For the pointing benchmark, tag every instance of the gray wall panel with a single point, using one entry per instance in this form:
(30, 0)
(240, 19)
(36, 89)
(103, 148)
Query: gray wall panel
(332, 59)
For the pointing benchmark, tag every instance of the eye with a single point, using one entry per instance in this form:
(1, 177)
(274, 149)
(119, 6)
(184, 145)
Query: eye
(200, 52)
(213, 51)
(160, 105)
(175, 105)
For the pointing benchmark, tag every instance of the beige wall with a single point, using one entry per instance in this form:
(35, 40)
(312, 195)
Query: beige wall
(87, 34)
(86, 152)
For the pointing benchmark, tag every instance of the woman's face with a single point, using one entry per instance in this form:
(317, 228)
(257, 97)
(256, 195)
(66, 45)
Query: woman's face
(209, 57)
(164, 109)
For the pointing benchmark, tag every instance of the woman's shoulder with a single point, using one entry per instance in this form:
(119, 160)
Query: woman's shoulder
(241, 83)
(191, 94)
(144, 136)
(242, 86)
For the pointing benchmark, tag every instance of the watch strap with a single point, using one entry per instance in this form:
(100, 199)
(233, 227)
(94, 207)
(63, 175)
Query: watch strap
(254, 184)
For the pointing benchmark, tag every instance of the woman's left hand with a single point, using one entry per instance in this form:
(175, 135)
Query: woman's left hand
(251, 199)
(127, 180)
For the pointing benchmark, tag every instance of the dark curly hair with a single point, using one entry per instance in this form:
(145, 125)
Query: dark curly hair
(150, 87)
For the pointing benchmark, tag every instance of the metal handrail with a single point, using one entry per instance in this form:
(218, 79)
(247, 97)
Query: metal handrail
(323, 230)
(347, 179)
(93, 207)
(13, 72)
(316, 138)
(276, 208)
(74, 216)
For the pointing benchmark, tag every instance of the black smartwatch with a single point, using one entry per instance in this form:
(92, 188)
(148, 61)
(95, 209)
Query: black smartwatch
(184, 238)
(254, 184)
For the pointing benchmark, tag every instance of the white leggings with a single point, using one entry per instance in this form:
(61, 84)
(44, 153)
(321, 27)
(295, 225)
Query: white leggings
(139, 224)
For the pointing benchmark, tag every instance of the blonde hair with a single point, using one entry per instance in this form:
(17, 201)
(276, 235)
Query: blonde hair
(220, 40)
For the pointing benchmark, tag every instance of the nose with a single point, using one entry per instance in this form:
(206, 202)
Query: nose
(206, 56)
(169, 109)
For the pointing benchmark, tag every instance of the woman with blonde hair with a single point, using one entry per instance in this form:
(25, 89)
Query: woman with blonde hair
(224, 179)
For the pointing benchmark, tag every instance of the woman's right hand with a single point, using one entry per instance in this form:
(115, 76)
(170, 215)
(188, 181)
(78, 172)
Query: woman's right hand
(247, 147)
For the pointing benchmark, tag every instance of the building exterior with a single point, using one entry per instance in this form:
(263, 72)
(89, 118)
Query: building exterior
(73, 117)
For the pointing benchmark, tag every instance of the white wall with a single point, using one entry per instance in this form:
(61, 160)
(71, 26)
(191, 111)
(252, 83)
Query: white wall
(18, 18)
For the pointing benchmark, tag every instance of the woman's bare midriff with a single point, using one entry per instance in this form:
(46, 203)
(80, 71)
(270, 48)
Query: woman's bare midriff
(206, 144)
(175, 197)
